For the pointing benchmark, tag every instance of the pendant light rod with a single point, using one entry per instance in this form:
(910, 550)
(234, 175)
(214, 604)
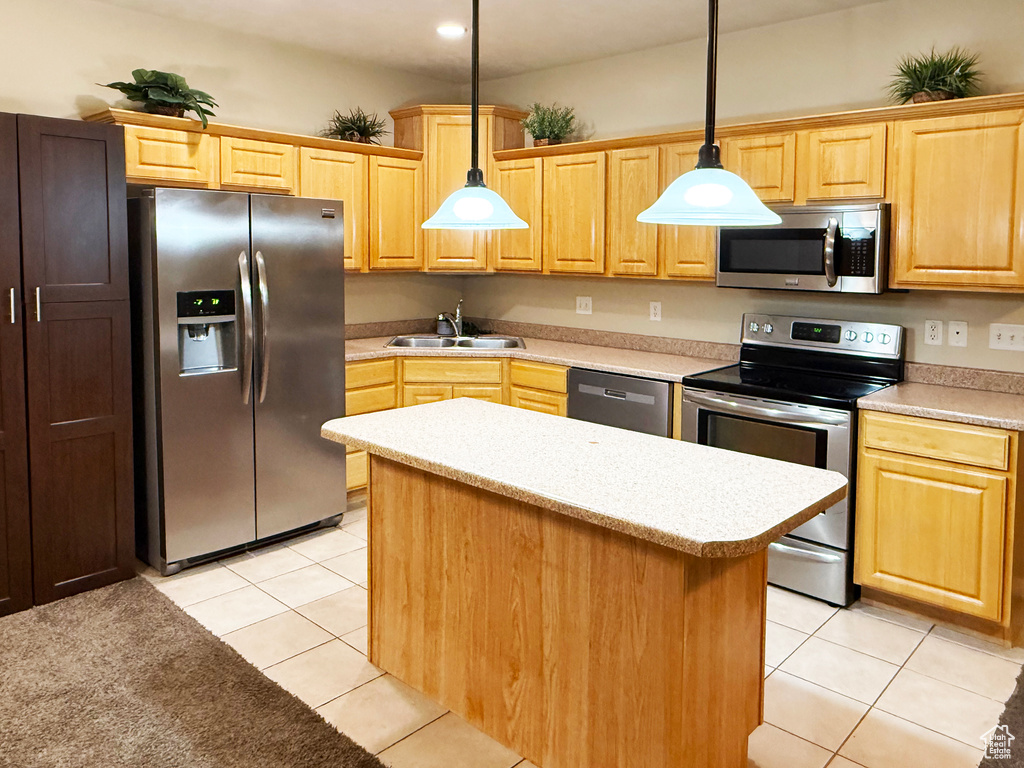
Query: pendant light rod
(475, 176)
(709, 153)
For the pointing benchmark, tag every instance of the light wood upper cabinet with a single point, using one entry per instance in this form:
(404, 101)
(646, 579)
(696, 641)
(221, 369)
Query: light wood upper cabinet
(958, 202)
(574, 206)
(265, 166)
(396, 195)
(766, 163)
(633, 183)
(520, 184)
(930, 529)
(684, 251)
(845, 163)
(327, 173)
(170, 157)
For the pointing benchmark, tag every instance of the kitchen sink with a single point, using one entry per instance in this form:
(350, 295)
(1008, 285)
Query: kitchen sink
(461, 342)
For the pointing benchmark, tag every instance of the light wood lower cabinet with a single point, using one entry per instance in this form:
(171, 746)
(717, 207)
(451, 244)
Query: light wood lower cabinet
(538, 387)
(937, 530)
(357, 470)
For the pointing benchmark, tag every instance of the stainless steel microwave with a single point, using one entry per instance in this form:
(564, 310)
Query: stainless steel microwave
(841, 248)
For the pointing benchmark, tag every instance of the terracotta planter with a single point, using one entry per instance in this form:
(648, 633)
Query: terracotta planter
(923, 96)
(166, 110)
(546, 142)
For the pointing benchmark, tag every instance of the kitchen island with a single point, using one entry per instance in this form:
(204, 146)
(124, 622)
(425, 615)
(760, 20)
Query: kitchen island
(585, 595)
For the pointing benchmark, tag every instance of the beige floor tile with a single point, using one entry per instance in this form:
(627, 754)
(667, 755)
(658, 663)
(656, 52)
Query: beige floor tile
(768, 670)
(351, 565)
(267, 563)
(796, 611)
(893, 616)
(965, 667)
(323, 673)
(327, 544)
(235, 610)
(867, 634)
(305, 585)
(339, 613)
(357, 528)
(977, 643)
(193, 586)
(354, 513)
(380, 713)
(275, 639)
(941, 707)
(449, 742)
(771, 747)
(886, 741)
(780, 642)
(809, 711)
(841, 762)
(357, 639)
(840, 669)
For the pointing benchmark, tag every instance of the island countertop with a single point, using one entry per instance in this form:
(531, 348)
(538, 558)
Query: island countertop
(696, 499)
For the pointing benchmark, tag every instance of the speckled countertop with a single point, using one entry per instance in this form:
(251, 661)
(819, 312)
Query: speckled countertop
(968, 406)
(700, 500)
(653, 365)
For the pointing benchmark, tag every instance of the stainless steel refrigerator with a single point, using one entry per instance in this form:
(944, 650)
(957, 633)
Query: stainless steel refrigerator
(239, 347)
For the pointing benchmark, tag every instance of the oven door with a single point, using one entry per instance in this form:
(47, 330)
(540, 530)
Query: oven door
(802, 434)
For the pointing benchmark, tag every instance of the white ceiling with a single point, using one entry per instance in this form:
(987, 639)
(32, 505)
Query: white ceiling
(515, 35)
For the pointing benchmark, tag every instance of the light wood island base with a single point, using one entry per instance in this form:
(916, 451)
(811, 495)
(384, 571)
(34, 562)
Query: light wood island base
(572, 644)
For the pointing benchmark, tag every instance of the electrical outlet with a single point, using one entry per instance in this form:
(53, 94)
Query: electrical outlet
(656, 311)
(933, 332)
(957, 333)
(1006, 336)
(583, 305)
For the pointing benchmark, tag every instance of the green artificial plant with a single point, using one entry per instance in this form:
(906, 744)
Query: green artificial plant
(935, 76)
(165, 93)
(356, 126)
(553, 123)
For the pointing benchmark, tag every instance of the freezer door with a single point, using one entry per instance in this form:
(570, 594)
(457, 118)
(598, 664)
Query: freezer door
(200, 239)
(299, 283)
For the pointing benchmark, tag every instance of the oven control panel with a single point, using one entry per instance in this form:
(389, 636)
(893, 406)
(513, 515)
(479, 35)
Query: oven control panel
(842, 336)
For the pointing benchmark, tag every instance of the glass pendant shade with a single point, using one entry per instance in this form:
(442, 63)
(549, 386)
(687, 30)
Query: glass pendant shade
(474, 208)
(711, 197)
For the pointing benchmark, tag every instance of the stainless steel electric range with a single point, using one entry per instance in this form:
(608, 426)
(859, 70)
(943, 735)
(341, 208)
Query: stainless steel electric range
(793, 396)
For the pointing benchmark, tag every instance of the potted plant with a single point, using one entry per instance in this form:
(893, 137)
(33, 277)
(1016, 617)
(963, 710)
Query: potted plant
(165, 93)
(935, 77)
(549, 125)
(356, 126)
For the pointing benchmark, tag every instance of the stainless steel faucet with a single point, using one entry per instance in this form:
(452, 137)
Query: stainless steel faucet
(455, 320)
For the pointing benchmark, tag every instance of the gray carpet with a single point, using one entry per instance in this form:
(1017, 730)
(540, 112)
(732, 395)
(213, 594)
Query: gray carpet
(120, 677)
(1013, 718)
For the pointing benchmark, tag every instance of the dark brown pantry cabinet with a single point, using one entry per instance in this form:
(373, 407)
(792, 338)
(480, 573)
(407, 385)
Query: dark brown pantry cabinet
(66, 516)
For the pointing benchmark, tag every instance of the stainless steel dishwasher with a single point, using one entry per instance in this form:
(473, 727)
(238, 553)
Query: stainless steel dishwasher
(627, 402)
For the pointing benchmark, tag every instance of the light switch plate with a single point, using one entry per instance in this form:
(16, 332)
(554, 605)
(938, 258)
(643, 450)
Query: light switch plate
(656, 311)
(583, 305)
(957, 333)
(1006, 336)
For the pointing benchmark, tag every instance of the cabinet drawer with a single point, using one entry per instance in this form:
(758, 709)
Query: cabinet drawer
(370, 399)
(356, 470)
(489, 392)
(449, 371)
(535, 400)
(257, 165)
(538, 376)
(418, 394)
(933, 439)
(369, 373)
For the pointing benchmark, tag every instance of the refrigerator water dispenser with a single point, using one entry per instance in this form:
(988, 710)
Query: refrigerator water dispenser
(206, 332)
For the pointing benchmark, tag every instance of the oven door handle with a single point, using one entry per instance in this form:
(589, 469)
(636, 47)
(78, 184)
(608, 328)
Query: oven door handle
(819, 557)
(830, 252)
(723, 405)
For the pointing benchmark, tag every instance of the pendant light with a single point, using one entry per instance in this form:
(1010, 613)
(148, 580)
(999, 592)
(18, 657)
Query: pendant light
(475, 206)
(709, 195)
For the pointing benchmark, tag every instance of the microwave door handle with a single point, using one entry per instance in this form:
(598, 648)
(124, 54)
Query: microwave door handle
(830, 252)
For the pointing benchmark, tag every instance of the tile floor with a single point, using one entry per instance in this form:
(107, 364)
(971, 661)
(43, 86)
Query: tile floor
(854, 688)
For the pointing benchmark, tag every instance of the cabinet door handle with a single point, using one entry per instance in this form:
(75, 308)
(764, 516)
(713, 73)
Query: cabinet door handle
(39, 305)
(14, 317)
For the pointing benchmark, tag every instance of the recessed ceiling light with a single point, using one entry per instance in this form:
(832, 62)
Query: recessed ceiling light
(451, 31)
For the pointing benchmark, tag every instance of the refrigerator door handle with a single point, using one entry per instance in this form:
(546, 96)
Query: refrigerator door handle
(261, 271)
(247, 331)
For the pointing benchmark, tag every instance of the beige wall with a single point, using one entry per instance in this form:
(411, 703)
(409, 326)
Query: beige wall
(382, 298)
(703, 312)
(53, 52)
(835, 61)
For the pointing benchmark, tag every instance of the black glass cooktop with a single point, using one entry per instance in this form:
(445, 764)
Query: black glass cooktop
(786, 384)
